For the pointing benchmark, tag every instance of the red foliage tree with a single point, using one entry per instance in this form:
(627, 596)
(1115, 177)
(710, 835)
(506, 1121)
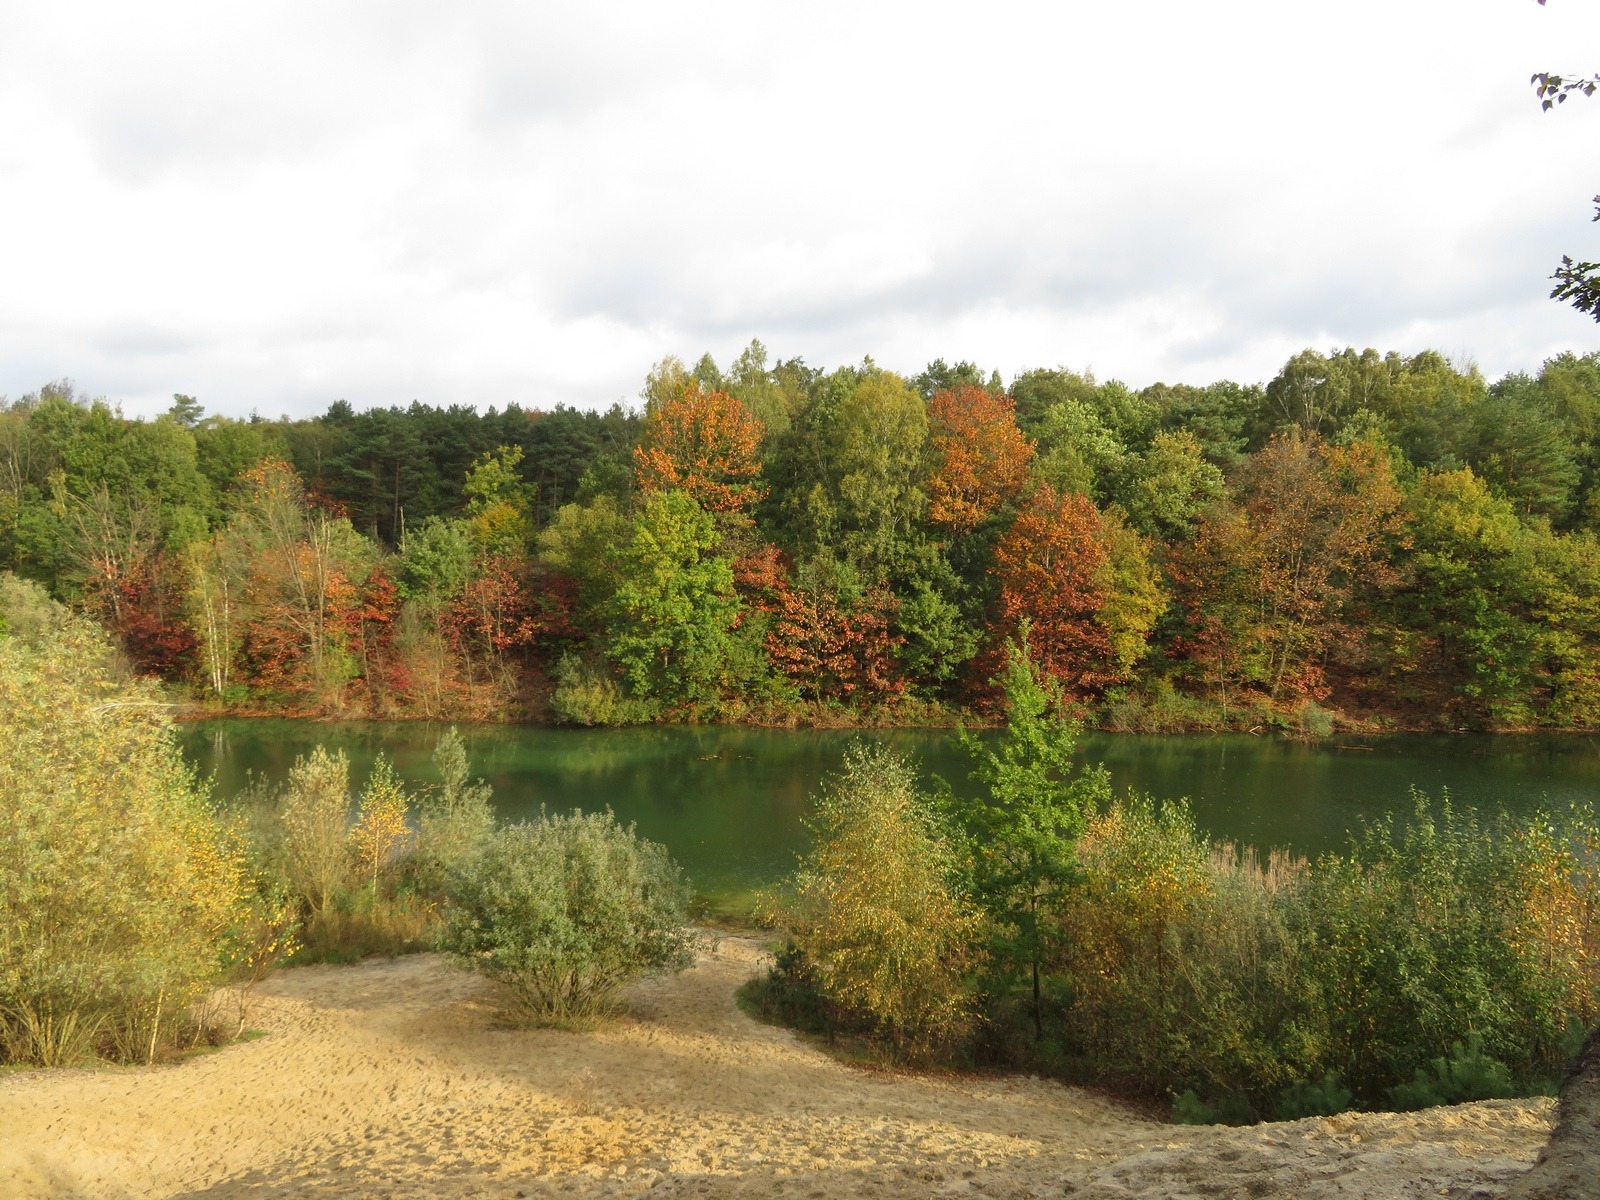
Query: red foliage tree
(827, 650)
(371, 625)
(1050, 565)
(148, 618)
(705, 443)
(494, 614)
(981, 456)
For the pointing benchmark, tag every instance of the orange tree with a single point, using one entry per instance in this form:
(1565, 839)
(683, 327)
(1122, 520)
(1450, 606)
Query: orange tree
(1052, 565)
(705, 443)
(982, 457)
(1273, 581)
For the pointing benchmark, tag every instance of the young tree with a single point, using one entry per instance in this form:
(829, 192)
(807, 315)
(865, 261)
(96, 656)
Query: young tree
(876, 906)
(380, 833)
(1022, 827)
(118, 885)
(456, 818)
(316, 816)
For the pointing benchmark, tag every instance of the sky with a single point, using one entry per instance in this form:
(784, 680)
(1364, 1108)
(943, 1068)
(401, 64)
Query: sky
(273, 206)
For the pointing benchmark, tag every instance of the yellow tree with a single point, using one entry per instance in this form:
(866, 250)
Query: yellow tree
(380, 833)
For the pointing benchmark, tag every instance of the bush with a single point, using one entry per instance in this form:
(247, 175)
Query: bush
(118, 886)
(790, 994)
(874, 908)
(1467, 1074)
(564, 911)
(356, 878)
(454, 819)
(1184, 972)
(588, 695)
(1450, 927)
(1326, 1097)
(1196, 968)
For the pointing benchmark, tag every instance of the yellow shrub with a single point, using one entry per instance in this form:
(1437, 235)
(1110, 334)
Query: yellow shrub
(117, 885)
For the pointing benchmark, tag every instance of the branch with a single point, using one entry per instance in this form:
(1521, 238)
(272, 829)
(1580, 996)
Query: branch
(1553, 89)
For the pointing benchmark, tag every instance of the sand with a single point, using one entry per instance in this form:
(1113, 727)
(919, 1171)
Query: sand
(391, 1079)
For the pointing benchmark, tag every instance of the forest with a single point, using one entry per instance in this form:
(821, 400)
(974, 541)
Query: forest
(1367, 541)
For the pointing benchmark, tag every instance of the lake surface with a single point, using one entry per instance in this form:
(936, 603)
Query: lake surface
(728, 802)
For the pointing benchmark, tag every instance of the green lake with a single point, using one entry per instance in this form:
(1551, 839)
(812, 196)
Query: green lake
(728, 801)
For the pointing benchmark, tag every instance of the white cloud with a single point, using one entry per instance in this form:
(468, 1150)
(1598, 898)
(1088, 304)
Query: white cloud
(272, 208)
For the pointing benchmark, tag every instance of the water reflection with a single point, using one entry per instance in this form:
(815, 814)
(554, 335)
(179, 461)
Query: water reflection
(728, 801)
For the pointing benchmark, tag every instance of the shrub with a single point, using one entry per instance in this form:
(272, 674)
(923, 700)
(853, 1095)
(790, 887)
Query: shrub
(1466, 1074)
(118, 885)
(316, 814)
(1326, 1097)
(564, 911)
(790, 994)
(875, 908)
(1183, 971)
(454, 819)
(344, 867)
(589, 695)
(1196, 968)
(1452, 927)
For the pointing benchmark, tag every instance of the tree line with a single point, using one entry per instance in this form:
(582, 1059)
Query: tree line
(1374, 537)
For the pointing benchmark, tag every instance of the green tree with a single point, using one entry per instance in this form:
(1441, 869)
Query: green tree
(1022, 826)
(1480, 582)
(674, 609)
(497, 504)
(1166, 488)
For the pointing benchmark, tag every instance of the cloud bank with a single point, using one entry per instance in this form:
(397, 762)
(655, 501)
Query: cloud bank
(276, 207)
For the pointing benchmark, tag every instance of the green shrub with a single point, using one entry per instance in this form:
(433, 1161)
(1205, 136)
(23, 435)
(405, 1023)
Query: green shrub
(1314, 720)
(119, 887)
(1451, 926)
(357, 880)
(791, 994)
(1184, 972)
(875, 909)
(1197, 968)
(454, 819)
(588, 695)
(1466, 1074)
(1326, 1097)
(1189, 1109)
(564, 911)
(1230, 1109)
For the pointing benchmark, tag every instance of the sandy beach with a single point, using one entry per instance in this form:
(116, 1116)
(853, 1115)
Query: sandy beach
(391, 1079)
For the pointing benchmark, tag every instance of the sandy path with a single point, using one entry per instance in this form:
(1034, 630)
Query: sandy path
(388, 1080)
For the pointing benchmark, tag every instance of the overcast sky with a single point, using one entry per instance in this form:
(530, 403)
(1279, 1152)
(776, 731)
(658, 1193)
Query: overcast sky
(274, 206)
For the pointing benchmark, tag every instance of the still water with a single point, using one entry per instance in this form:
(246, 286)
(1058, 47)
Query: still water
(728, 802)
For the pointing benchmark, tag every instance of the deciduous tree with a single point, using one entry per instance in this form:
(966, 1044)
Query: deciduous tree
(981, 457)
(705, 443)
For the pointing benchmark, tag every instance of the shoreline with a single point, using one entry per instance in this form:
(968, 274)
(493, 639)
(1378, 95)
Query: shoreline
(189, 715)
